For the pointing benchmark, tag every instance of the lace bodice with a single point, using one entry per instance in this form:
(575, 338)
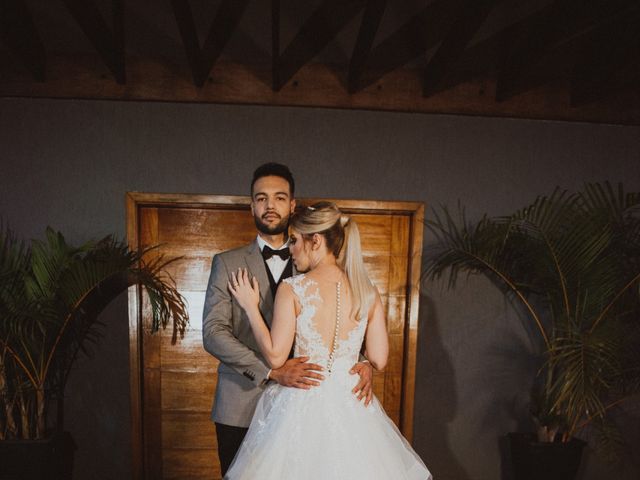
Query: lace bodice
(324, 432)
(315, 324)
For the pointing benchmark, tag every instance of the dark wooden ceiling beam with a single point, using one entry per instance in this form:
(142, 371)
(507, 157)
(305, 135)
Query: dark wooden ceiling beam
(368, 28)
(275, 43)
(117, 7)
(318, 30)
(149, 80)
(546, 29)
(19, 33)
(202, 60)
(224, 24)
(110, 48)
(485, 59)
(420, 33)
(549, 28)
(187, 27)
(609, 60)
(472, 16)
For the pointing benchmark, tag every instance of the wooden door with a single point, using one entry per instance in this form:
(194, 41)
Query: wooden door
(172, 386)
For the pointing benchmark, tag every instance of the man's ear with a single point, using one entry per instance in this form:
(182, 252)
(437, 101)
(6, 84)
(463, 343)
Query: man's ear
(253, 213)
(293, 205)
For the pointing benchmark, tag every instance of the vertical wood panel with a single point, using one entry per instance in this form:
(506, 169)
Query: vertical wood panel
(411, 329)
(173, 385)
(135, 357)
(151, 364)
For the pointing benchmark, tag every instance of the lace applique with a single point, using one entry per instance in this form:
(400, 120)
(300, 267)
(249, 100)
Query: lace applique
(323, 432)
(308, 341)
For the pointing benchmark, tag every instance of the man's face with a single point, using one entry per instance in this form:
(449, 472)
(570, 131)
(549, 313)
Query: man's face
(272, 205)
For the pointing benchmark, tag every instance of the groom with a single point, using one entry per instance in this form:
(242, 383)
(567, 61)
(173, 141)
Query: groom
(226, 332)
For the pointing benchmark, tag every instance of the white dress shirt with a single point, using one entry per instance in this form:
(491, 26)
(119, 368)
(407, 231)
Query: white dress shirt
(276, 264)
(276, 267)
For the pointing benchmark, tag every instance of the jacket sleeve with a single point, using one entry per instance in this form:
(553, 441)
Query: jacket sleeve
(217, 328)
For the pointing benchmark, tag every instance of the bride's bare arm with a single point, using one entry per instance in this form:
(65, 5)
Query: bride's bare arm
(377, 340)
(276, 344)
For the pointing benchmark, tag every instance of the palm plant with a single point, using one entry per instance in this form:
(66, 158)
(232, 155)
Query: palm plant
(51, 295)
(572, 261)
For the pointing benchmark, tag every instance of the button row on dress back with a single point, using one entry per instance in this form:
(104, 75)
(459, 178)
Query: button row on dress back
(334, 346)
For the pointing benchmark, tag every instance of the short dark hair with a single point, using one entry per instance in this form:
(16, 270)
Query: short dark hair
(276, 170)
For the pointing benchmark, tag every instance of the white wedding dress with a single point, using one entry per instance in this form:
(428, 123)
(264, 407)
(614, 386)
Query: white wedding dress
(324, 433)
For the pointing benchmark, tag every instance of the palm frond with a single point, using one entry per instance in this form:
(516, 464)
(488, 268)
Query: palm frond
(574, 260)
(610, 444)
(50, 301)
(485, 248)
(586, 365)
(604, 199)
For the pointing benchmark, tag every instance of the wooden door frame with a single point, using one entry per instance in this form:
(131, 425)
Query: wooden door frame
(137, 200)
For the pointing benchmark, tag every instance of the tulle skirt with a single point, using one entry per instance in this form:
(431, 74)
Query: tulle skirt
(323, 434)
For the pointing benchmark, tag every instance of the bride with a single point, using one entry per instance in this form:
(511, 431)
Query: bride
(328, 313)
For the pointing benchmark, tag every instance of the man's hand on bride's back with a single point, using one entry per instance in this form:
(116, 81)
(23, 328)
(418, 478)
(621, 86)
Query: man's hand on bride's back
(298, 373)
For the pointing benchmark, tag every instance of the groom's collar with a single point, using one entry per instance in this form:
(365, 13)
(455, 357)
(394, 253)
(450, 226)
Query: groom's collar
(262, 242)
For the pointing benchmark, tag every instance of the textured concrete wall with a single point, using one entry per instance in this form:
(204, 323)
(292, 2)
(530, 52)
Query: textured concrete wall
(68, 164)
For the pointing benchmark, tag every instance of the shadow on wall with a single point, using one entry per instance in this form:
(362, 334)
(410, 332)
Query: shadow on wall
(595, 467)
(510, 367)
(435, 398)
(97, 406)
(475, 367)
(478, 355)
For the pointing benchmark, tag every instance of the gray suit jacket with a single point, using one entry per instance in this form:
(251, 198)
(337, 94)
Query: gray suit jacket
(227, 335)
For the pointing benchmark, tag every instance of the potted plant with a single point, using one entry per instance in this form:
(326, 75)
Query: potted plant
(572, 261)
(51, 295)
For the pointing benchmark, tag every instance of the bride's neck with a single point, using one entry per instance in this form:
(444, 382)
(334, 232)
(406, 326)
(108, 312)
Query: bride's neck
(327, 263)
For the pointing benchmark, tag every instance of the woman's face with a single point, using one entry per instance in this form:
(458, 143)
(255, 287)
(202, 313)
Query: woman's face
(300, 250)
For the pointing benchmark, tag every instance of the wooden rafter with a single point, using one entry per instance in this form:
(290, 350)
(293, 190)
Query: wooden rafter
(541, 33)
(73, 77)
(202, 60)
(420, 33)
(187, 27)
(368, 28)
(606, 53)
(108, 43)
(275, 43)
(548, 29)
(314, 35)
(472, 15)
(19, 33)
(224, 24)
(590, 45)
(485, 58)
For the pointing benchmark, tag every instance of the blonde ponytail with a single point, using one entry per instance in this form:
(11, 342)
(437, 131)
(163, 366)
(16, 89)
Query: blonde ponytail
(343, 240)
(350, 260)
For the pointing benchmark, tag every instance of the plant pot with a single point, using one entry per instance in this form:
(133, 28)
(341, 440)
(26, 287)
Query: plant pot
(47, 459)
(533, 460)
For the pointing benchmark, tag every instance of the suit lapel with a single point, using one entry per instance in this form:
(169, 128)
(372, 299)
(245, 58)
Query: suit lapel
(256, 266)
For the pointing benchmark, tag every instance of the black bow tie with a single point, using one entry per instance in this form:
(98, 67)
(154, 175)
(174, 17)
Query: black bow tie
(268, 252)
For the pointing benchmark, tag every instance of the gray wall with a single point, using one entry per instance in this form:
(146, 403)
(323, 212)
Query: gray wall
(68, 164)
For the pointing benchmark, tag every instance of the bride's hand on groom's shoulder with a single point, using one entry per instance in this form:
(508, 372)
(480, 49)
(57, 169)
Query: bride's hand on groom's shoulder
(364, 388)
(246, 291)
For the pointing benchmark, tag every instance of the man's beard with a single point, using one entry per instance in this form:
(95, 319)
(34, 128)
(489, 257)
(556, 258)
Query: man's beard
(280, 227)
